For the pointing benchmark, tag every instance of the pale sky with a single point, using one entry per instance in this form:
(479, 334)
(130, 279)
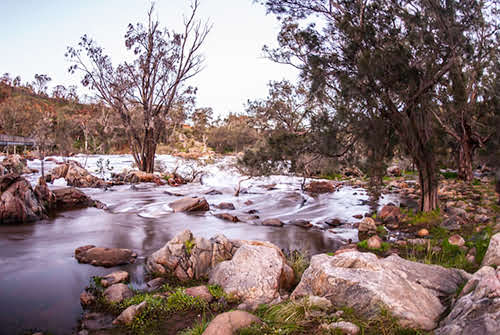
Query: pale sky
(35, 33)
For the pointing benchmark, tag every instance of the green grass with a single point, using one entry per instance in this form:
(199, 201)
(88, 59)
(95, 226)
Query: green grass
(189, 246)
(476, 182)
(158, 309)
(446, 254)
(216, 291)
(383, 248)
(422, 218)
(197, 329)
(449, 175)
(299, 262)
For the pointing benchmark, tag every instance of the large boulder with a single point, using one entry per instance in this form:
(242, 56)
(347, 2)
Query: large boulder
(230, 322)
(189, 204)
(187, 257)
(104, 256)
(18, 202)
(477, 310)
(411, 291)
(256, 273)
(492, 256)
(75, 175)
(72, 198)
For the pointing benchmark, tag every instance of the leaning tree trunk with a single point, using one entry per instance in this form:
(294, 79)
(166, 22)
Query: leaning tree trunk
(428, 183)
(464, 163)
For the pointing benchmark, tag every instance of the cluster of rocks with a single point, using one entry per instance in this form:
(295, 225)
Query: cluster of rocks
(75, 175)
(20, 203)
(257, 272)
(15, 164)
(135, 176)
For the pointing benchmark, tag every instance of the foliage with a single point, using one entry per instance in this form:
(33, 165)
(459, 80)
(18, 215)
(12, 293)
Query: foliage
(299, 262)
(197, 329)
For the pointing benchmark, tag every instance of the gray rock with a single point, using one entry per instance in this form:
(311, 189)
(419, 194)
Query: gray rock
(255, 274)
(410, 291)
(454, 222)
(187, 257)
(492, 256)
(230, 322)
(226, 205)
(189, 204)
(345, 327)
(477, 310)
(117, 293)
(127, 316)
(114, 278)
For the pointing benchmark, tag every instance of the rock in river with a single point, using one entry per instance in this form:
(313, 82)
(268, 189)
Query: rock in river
(189, 204)
(75, 175)
(104, 256)
(411, 291)
(18, 203)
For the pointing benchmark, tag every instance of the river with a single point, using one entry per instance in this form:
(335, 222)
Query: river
(40, 280)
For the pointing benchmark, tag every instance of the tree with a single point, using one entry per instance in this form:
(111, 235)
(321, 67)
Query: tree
(40, 83)
(286, 107)
(388, 56)
(464, 112)
(151, 85)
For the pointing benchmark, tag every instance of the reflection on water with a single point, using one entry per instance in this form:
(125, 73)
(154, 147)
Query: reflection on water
(40, 281)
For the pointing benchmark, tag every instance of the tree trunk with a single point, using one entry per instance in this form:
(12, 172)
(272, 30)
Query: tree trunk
(465, 154)
(428, 183)
(147, 155)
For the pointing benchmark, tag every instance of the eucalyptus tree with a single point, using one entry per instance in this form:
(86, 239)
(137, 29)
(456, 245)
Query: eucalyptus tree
(144, 91)
(387, 56)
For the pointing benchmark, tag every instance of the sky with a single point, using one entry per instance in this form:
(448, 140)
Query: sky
(35, 34)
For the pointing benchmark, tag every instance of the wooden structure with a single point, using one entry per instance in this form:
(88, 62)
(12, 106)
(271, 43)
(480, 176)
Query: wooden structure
(6, 140)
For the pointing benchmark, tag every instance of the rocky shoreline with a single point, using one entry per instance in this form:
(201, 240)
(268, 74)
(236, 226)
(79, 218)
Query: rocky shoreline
(410, 272)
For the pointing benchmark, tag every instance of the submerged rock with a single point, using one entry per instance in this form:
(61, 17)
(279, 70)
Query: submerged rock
(410, 291)
(477, 310)
(230, 322)
(104, 256)
(227, 217)
(189, 204)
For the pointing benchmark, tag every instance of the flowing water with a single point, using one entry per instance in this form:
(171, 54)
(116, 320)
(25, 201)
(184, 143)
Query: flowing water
(40, 280)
